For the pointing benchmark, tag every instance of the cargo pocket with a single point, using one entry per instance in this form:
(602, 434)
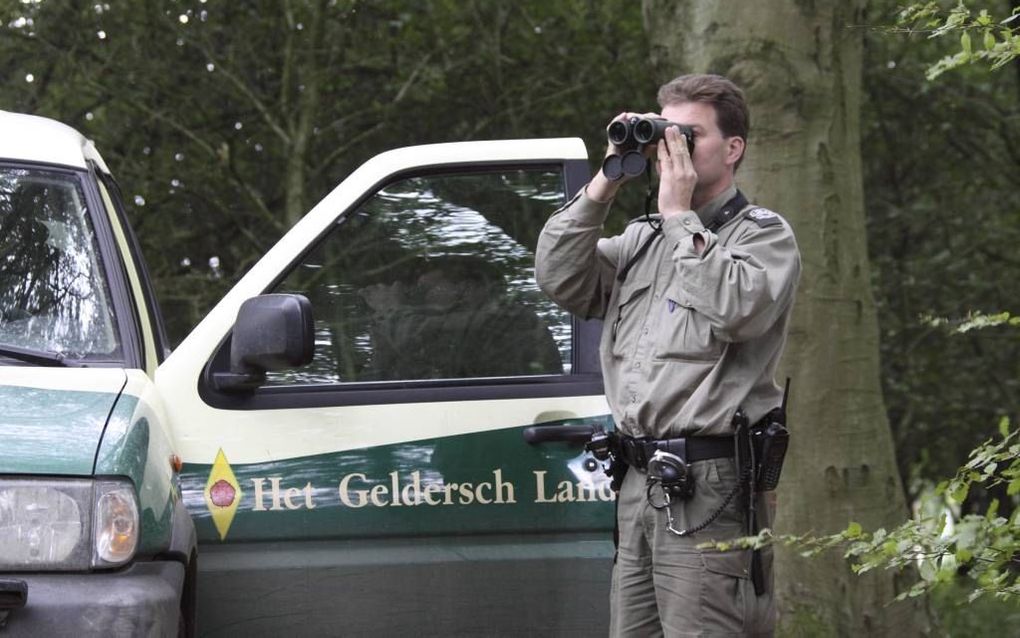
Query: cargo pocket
(715, 480)
(724, 592)
(684, 334)
(622, 327)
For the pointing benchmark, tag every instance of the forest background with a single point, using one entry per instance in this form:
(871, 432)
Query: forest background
(225, 122)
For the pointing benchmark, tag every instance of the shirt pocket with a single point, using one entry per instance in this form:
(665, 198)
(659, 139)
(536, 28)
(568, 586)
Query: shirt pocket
(683, 333)
(625, 319)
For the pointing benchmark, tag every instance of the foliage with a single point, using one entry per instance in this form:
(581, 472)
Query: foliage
(1000, 39)
(984, 547)
(937, 541)
(982, 618)
(943, 214)
(973, 321)
(226, 121)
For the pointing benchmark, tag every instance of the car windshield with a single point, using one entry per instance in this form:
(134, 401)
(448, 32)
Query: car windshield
(54, 296)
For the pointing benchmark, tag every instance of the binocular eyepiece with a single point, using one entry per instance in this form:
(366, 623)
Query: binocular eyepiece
(635, 132)
(631, 136)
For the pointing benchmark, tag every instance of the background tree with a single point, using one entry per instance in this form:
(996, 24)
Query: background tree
(227, 121)
(800, 64)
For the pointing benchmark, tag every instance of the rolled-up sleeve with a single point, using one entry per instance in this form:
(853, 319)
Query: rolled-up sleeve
(741, 288)
(574, 265)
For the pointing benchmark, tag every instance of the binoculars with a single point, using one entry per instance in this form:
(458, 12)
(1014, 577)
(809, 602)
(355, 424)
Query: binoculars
(631, 136)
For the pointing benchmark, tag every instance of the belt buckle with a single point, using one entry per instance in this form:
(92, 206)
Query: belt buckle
(641, 451)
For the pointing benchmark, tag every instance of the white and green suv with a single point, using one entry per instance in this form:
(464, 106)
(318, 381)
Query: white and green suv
(336, 448)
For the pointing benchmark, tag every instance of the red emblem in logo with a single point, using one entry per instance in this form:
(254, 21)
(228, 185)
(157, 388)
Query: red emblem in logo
(222, 493)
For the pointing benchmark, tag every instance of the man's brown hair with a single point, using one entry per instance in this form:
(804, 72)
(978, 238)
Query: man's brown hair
(725, 97)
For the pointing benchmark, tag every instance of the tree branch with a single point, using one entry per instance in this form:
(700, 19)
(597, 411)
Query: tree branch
(246, 91)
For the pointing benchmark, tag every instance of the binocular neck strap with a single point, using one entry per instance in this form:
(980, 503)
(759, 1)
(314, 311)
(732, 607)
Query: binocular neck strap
(657, 226)
(728, 211)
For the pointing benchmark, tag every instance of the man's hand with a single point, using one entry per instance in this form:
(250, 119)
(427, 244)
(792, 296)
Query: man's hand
(677, 178)
(601, 188)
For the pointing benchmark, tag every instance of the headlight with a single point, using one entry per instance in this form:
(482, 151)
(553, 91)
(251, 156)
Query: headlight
(45, 524)
(66, 524)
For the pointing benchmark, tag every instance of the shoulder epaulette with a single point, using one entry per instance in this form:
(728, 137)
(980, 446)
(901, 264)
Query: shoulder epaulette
(764, 217)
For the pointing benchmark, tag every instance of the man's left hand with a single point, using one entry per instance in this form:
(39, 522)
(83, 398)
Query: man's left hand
(676, 174)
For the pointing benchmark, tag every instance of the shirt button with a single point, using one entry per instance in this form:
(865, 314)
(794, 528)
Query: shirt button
(637, 365)
(687, 222)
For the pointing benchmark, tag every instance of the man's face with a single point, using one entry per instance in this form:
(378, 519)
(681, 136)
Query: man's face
(714, 155)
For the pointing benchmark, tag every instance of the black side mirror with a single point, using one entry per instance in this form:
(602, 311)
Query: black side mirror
(272, 332)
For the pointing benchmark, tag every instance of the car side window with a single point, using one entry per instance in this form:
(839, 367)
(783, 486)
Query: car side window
(433, 277)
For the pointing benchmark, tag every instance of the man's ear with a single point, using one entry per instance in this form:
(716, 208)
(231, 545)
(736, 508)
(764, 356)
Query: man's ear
(734, 149)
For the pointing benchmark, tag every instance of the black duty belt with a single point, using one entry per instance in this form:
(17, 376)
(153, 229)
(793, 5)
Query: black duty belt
(637, 451)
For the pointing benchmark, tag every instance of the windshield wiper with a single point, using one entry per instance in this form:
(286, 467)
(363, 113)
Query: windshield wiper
(39, 357)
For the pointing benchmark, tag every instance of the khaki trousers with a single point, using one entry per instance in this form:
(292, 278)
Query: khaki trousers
(663, 585)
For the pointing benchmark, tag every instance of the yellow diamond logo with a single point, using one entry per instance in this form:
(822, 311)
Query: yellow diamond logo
(222, 494)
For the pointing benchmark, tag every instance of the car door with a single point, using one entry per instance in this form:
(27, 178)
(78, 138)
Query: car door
(385, 488)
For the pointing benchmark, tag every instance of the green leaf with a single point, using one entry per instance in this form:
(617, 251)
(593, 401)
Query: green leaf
(993, 509)
(960, 493)
(963, 555)
(1004, 426)
(1014, 487)
(965, 42)
(854, 530)
(989, 39)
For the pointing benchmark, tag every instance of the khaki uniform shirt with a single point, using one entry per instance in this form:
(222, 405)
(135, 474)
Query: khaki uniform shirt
(687, 339)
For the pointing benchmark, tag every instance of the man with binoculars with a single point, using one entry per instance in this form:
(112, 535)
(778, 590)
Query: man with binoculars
(695, 302)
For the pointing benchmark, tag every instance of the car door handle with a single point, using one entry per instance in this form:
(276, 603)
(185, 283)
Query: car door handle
(558, 433)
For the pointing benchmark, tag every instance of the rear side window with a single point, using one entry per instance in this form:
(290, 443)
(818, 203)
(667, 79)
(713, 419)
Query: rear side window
(54, 296)
(433, 278)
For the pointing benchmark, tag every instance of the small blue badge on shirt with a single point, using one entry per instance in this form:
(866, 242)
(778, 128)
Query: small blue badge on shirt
(672, 305)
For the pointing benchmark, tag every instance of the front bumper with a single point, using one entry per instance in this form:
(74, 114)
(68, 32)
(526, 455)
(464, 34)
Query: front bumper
(142, 600)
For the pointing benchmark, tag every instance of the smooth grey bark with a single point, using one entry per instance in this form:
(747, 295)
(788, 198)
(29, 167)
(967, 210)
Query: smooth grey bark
(799, 62)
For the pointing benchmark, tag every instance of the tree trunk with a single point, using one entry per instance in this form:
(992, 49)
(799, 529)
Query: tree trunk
(799, 62)
(302, 97)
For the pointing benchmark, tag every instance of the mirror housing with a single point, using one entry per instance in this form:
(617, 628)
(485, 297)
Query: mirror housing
(272, 332)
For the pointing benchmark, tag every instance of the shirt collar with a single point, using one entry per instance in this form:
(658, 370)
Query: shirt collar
(708, 212)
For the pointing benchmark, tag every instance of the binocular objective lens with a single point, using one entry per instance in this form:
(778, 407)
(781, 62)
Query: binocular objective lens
(644, 131)
(617, 133)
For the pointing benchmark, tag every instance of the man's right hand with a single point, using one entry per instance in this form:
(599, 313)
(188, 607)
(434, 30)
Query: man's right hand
(601, 188)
